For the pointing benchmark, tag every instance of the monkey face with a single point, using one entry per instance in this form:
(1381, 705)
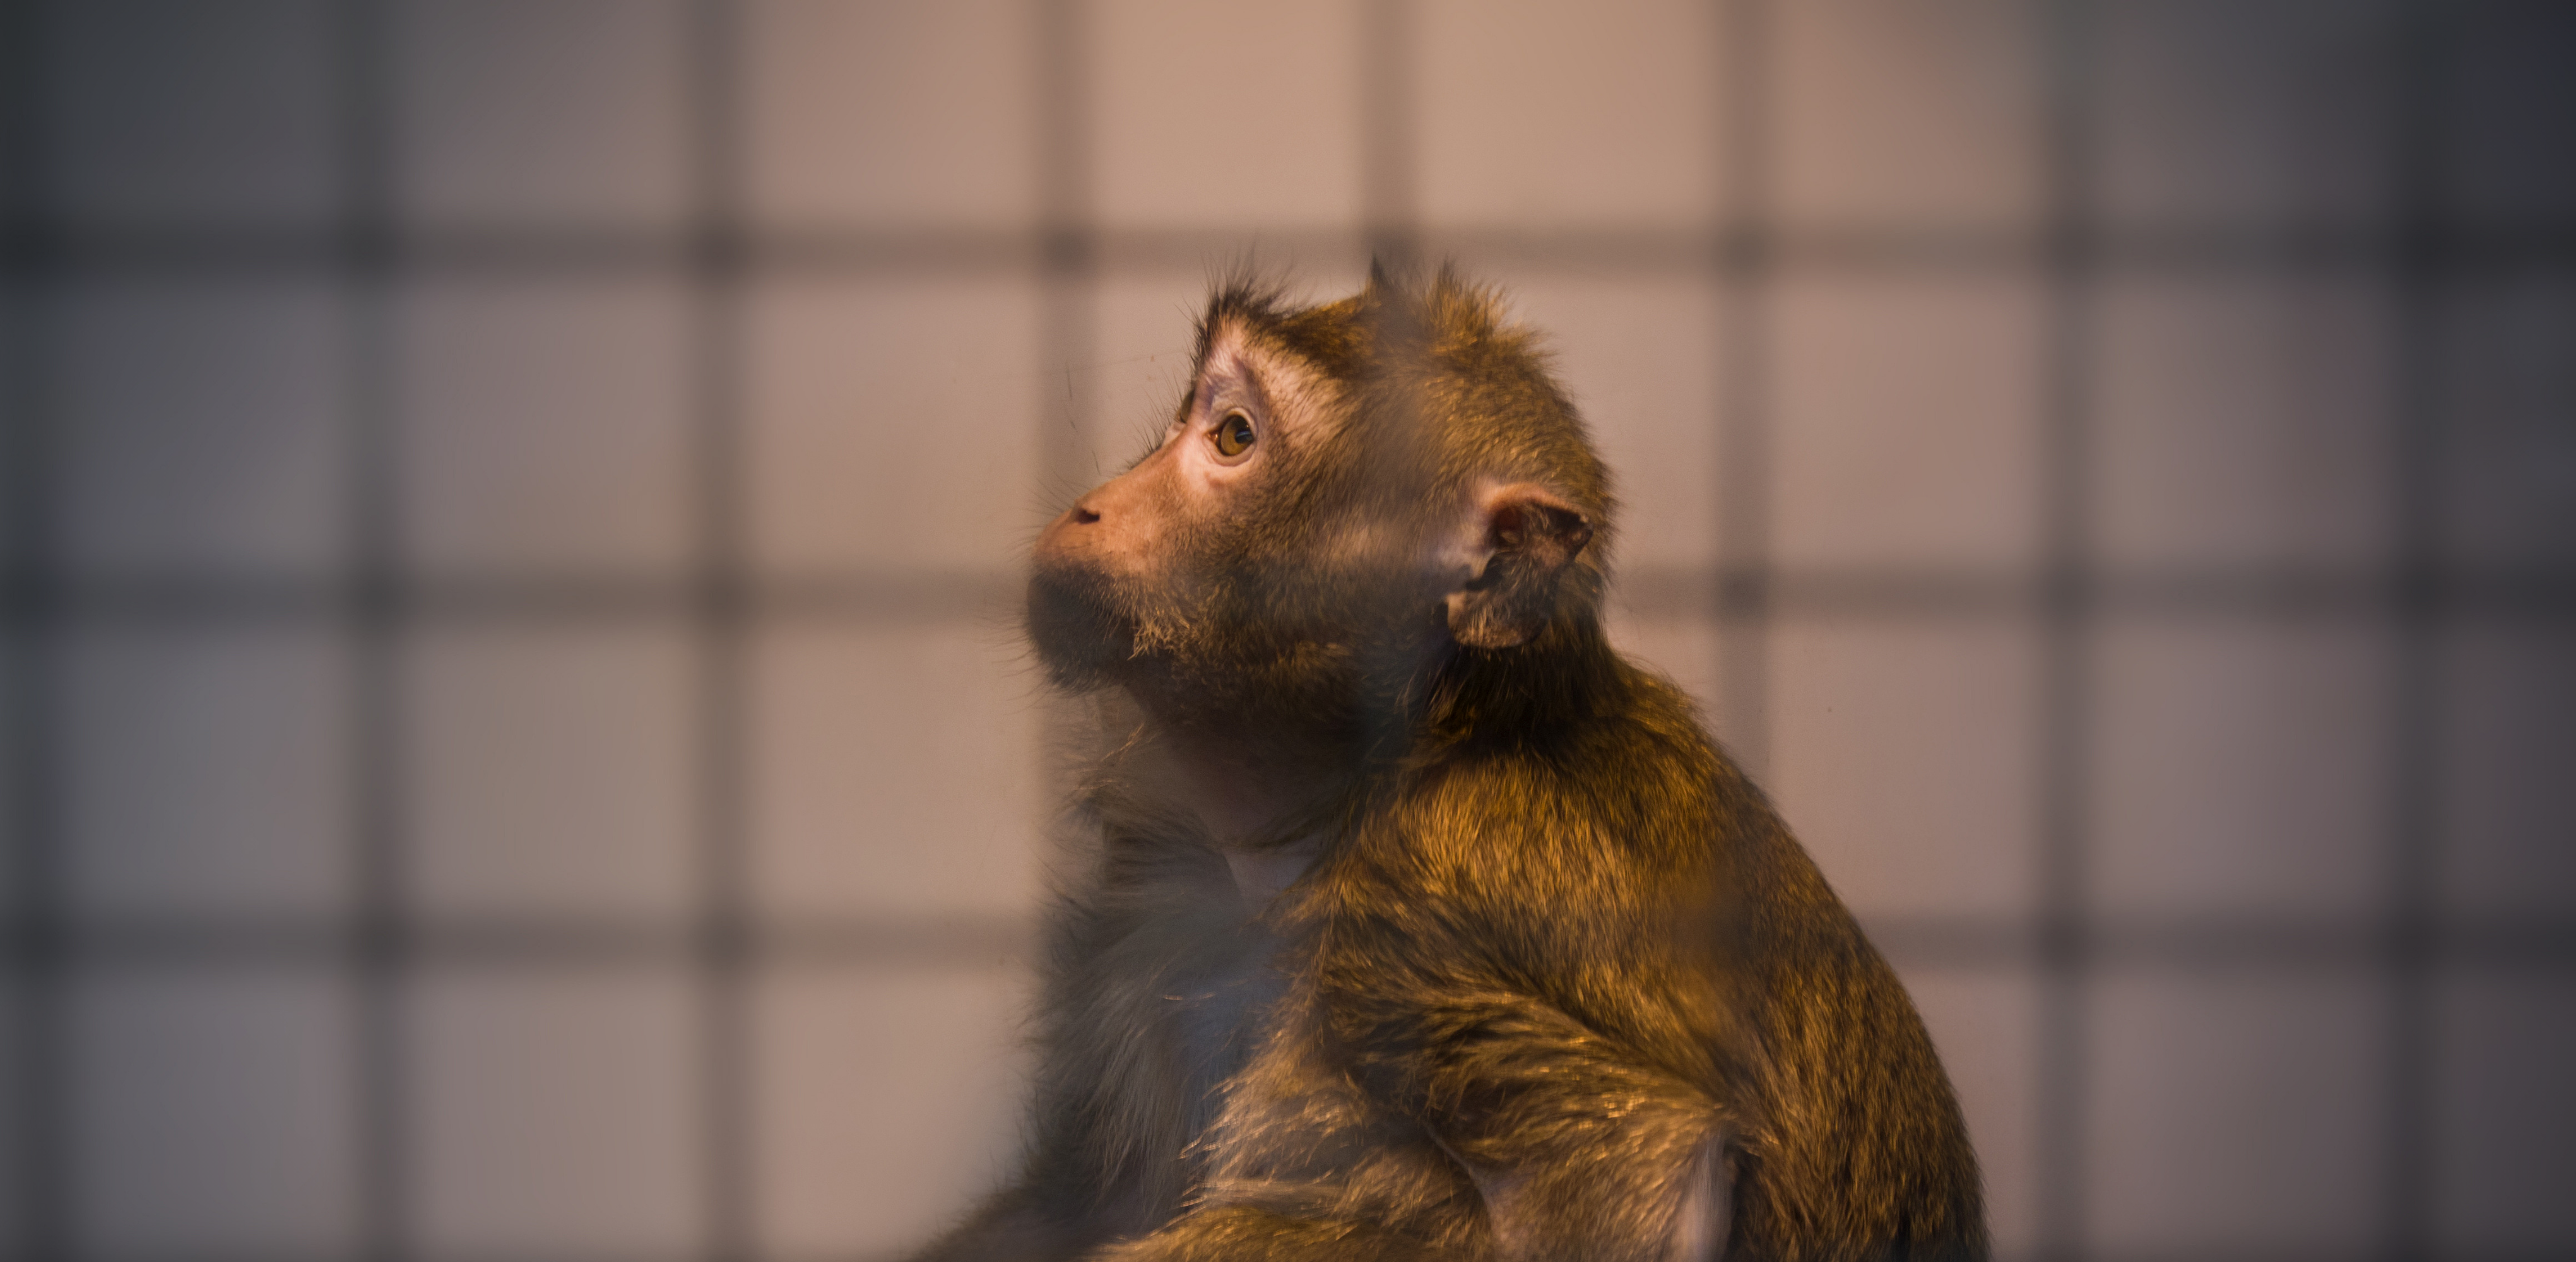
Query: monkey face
(1332, 509)
(1246, 553)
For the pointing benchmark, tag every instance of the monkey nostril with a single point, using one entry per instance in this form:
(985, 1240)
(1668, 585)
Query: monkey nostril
(1083, 516)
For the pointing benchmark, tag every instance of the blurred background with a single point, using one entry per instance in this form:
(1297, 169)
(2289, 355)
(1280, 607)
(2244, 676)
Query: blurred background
(514, 745)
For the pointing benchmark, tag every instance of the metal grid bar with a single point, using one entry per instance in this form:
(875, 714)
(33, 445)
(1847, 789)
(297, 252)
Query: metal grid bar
(1068, 245)
(1387, 196)
(1725, 249)
(2066, 621)
(1746, 592)
(2413, 931)
(1949, 942)
(373, 601)
(41, 1144)
(727, 1166)
(1735, 594)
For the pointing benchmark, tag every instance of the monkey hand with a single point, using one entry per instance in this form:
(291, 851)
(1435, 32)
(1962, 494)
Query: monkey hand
(1243, 1234)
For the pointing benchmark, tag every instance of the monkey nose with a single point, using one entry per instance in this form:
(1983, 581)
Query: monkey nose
(1055, 538)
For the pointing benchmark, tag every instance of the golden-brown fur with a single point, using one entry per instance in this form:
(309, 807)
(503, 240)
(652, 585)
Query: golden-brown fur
(1558, 983)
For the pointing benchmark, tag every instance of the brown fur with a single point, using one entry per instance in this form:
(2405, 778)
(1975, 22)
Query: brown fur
(1559, 982)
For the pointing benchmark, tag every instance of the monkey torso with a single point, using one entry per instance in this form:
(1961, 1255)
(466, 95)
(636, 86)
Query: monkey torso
(1322, 1056)
(1192, 1056)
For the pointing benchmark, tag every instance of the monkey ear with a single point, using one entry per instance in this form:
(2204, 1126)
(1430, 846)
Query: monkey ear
(1521, 538)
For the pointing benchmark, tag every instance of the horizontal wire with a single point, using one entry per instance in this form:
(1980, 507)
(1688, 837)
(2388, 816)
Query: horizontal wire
(2212, 941)
(86, 246)
(2267, 1253)
(940, 596)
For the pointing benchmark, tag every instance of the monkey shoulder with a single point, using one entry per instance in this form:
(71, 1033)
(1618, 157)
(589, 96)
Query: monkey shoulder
(1602, 812)
(1577, 862)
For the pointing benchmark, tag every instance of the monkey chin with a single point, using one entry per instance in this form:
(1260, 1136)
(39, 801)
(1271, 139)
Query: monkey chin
(1082, 634)
(1193, 665)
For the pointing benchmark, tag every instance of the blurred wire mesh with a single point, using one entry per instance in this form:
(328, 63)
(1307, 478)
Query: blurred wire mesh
(514, 745)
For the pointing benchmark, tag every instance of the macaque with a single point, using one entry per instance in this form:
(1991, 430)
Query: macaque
(1416, 921)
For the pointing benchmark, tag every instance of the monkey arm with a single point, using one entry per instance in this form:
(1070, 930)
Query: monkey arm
(1026, 1222)
(1248, 1234)
(1114, 1101)
(1863, 1147)
(1581, 1145)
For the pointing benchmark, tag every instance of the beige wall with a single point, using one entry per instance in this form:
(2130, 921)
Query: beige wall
(516, 746)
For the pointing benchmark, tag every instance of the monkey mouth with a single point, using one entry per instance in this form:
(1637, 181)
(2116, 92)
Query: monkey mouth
(1082, 631)
(1182, 643)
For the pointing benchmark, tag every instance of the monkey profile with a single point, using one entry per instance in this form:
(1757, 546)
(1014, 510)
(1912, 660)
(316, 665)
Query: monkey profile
(1417, 922)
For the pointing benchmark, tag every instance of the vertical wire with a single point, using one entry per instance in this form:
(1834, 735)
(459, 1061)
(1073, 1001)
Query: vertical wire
(1067, 268)
(727, 1095)
(1068, 259)
(43, 1084)
(2066, 716)
(1744, 604)
(1387, 135)
(2414, 747)
(380, 960)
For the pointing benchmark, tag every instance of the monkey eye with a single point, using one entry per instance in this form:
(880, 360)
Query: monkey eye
(1234, 434)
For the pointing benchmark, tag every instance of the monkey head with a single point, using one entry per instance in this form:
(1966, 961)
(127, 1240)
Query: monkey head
(1350, 498)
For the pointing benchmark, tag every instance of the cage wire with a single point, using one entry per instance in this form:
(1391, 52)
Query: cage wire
(373, 956)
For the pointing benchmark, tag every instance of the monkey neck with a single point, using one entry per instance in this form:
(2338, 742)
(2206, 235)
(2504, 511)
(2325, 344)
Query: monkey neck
(1264, 787)
(1263, 799)
(1259, 875)
(1250, 789)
